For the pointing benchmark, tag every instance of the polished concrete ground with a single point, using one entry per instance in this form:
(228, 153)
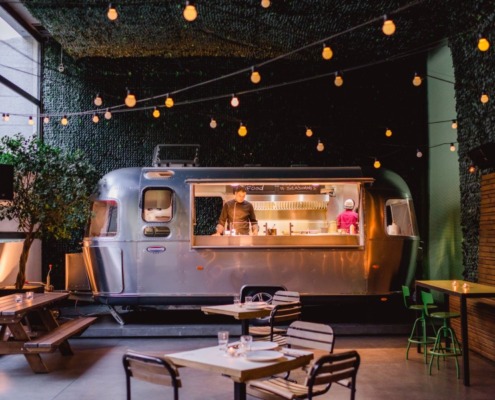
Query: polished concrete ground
(95, 372)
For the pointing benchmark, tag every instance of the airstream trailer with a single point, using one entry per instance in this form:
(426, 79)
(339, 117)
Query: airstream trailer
(150, 242)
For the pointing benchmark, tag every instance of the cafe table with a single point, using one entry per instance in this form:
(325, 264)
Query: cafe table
(240, 312)
(464, 290)
(239, 368)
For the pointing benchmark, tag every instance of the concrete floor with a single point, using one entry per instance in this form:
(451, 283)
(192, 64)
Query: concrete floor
(95, 372)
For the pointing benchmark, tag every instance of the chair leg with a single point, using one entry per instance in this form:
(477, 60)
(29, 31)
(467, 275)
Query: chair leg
(449, 350)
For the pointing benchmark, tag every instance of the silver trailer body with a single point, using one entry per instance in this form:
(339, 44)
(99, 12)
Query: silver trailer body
(150, 240)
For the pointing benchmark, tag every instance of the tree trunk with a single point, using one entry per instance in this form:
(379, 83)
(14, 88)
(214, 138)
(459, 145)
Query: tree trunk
(21, 275)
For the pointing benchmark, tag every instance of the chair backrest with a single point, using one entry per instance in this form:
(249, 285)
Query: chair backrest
(260, 292)
(334, 368)
(406, 296)
(311, 335)
(427, 299)
(150, 369)
(285, 296)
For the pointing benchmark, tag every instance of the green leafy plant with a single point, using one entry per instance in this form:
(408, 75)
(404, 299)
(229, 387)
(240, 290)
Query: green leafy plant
(51, 192)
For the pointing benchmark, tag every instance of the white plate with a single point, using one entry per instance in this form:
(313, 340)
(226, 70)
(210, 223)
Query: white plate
(263, 345)
(256, 305)
(263, 355)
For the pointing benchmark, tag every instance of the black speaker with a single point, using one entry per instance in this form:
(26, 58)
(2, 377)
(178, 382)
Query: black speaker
(6, 182)
(484, 155)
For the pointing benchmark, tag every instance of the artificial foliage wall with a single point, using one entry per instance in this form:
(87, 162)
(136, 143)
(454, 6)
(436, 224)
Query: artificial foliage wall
(350, 120)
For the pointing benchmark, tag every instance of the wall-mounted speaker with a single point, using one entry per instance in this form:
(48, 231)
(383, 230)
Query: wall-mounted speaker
(6, 182)
(483, 156)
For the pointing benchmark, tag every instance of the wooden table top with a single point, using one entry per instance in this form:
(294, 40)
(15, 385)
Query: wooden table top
(459, 288)
(238, 311)
(8, 305)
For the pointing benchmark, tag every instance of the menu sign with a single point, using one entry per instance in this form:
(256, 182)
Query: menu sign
(282, 189)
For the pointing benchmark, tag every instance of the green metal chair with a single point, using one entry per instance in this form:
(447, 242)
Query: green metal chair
(450, 346)
(421, 339)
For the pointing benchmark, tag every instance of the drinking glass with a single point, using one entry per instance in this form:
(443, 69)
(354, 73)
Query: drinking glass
(237, 300)
(248, 299)
(29, 295)
(246, 341)
(18, 298)
(223, 340)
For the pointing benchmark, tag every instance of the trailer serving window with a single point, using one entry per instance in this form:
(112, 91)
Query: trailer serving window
(399, 220)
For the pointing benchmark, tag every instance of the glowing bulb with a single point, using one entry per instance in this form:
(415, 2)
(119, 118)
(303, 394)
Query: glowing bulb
(190, 13)
(320, 146)
(108, 114)
(472, 169)
(377, 164)
(418, 153)
(169, 102)
(213, 123)
(234, 102)
(242, 131)
(156, 112)
(483, 44)
(454, 124)
(388, 27)
(46, 120)
(7, 118)
(64, 121)
(327, 52)
(484, 98)
(255, 77)
(98, 100)
(130, 100)
(265, 3)
(30, 121)
(388, 132)
(452, 147)
(112, 13)
(338, 81)
(417, 81)
(309, 132)
(95, 118)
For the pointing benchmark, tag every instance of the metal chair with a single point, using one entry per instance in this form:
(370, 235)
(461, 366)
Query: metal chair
(332, 368)
(451, 348)
(151, 369)
(420, 339)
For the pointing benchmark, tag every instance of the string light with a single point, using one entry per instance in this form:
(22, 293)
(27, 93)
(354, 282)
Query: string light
(190, 13)
(64, 121)
(31, 121)
(418, 153)
(472, 169)
(388, 27)
(377, 164)
(417, 81)
(452, 147)
(108, 114)
(242, 130)
(484, 98)
(255, 76)
(338, 81)
(265, 3)
(169, 102)
(112, 13)
(6, 117)
(46, 120)
(483, 44)
(213, 123)
(320, 146)
(388, 132)
(234, 102)
(95, 118)
(454, 124)
(309, 132)
(156, 112)
(98, 100)
(130, 100)
(327, 52)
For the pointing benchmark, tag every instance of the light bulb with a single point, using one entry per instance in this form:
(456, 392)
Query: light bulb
(46, 120)
(320, 146)
(483, 44)
(454, 124)
(7, 118)
(130, 100)
(64, 121)
(242, 131)
(265, 3)
(327, 52)
(156, 112)
(95, 118)
(255, 77)
(98, 100)
(112, 13)
(472, 169)
(388, 27)
(484, 98)
(309, 132)
(417, 81)
(3, 116)
(169, 102)
(388, 132)
(377, 164)
(338, 81)
(30, 121)
(234, 102)
(213, 123)
(418, 153)
(108, 114)
(452, 147)
(190, 13)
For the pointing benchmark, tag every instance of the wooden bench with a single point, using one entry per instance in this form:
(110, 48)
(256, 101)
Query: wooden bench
(50, 341)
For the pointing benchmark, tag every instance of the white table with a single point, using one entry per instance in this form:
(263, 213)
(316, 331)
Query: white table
(239, 369)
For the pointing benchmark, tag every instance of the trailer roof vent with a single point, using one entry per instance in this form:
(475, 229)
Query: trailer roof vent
(177, 155)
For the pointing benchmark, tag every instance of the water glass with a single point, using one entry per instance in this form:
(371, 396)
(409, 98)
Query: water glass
(223, 340)
(18, 298)
(246, 342)
(237, 300)
(29, 295)
(248, 299)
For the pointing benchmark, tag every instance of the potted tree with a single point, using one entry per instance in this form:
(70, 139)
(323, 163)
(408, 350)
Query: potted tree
(51, 192)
